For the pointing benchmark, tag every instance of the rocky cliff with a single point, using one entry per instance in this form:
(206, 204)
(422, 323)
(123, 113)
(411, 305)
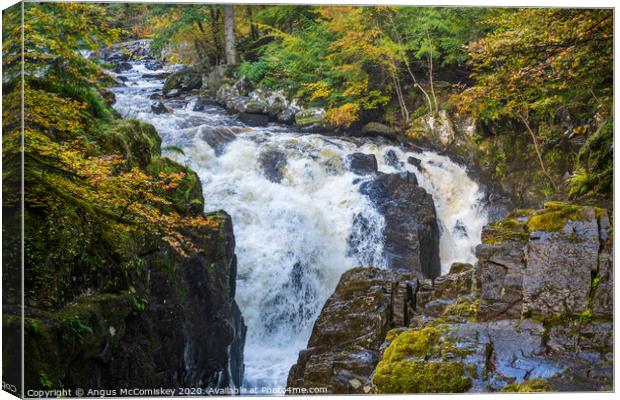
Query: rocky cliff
(177, 326)
(533, 314)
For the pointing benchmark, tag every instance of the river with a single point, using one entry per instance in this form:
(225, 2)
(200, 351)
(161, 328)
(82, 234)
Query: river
(292, 233)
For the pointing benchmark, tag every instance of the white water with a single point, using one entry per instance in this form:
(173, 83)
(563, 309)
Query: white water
(292, 236)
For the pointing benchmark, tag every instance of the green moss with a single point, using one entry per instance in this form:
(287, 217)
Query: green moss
(508, 229)
(134, 140)
(417, 376)
(531, 386)
(394, 333)
(187, 197)
(462, 308)
(554, 217)
(413, 343)
(594, 172)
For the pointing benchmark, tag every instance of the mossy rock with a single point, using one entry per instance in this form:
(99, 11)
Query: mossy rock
(413, 343)
(535, 385)
(520, 223)
(555, 216)
(136, 141)
(187, 197)
(418, 376)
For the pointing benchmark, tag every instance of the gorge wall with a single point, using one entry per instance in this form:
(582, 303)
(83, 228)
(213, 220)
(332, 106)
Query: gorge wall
(535, 312)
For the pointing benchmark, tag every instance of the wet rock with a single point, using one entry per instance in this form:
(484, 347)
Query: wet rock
(392, 160)
(273, 164)
(216, 78)
(243, 86)
(254, 119)
(218, 136)
(414, 161)
(344, 347)
(183, 81)
(500, 272)
(408, 208)
(177, 327)
(160, 108)
(153, 65)
(362, 164)
(157, 76)
(122, 67)
(560, 267)
(377, 129)
(202, 102)
(311, 118)
(156, 96)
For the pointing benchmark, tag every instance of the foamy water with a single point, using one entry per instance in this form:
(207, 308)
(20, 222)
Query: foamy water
(293, 235)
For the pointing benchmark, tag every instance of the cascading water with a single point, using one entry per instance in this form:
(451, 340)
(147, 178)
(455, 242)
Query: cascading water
(292, 224)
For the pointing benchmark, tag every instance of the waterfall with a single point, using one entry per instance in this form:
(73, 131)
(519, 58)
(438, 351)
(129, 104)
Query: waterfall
(293, 202)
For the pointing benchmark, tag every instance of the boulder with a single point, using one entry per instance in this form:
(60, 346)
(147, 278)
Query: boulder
(157, 75)
(311, 118)
(216, 78)
(406, 207)
(414, 161)
(218, 136)
(362, 164)
(122, 67)
(160, 108)
(377, 129)
(391, 159)
(202, 102)
(243, 86)
(344, 347)
(254, 119)
(153, 65)
(546, 263)
(183, 81)
(273, 164)
(560, 266)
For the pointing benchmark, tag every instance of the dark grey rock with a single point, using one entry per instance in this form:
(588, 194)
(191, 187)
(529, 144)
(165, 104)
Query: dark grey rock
(362, 164)
(160, 108)
(408, 208)
(273, 163)
(254, 119)
(344, 347)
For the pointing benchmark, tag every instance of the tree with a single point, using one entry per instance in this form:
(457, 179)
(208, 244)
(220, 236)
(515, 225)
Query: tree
(537, 63)
(229, 34)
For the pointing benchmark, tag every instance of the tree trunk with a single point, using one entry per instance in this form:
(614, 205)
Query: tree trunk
(537, 149)
(229, 34)
(430, 70)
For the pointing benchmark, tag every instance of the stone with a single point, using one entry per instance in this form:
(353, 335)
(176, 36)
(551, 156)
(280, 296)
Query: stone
(254, 119)
(378, 129)
(153, 65)
(406, 207)
(183, 81)
(218, 136)
(311, 118)
(362, 164)
(343, 349)
(499, 271)
(273, 164)
(160, 108)
(392, 160)
(243, 86)
(559, 268)
(414, 161)
(122, 67)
